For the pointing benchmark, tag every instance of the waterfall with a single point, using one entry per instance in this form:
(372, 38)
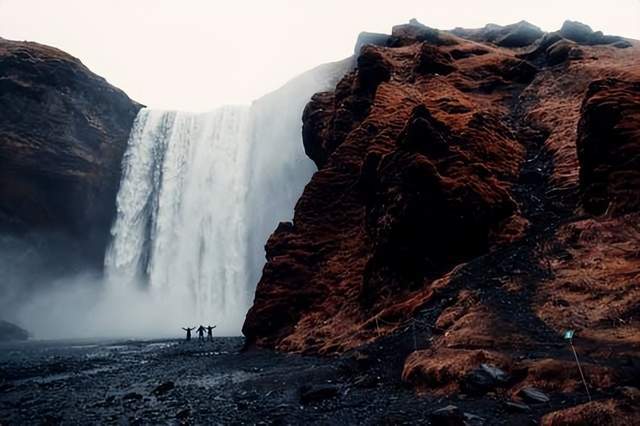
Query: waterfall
(199, 195)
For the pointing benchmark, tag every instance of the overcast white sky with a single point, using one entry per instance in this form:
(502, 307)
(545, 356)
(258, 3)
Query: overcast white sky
(197, 54)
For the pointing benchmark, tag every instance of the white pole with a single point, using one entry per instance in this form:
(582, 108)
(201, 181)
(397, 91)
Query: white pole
(575, 354)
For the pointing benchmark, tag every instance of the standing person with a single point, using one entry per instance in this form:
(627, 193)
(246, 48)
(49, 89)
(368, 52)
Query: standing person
(200, 331)
(210, 332)
(188, 330)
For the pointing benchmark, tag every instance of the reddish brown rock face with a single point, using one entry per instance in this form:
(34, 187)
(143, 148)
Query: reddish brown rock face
(449, 164)
(417, 160)
(448, 214)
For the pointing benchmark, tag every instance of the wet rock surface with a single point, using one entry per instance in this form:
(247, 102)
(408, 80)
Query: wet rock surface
(172, 382)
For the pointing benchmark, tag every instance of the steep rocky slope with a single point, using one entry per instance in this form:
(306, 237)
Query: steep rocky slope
(477, 195)
(63, 131)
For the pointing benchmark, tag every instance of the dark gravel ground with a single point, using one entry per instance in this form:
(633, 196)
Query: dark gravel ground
(119, 382)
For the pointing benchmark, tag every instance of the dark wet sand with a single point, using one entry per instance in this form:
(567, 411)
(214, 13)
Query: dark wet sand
(90, 382)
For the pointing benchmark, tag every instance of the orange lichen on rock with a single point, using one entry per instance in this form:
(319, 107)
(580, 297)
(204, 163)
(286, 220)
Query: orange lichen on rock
(477, 195)
(607, 412)
(443, 371)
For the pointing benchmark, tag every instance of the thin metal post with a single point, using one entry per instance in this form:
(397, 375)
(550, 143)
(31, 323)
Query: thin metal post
(575, 354)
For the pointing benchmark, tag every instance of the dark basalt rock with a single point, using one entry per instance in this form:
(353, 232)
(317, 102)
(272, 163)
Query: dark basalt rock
(583, 34)
(533, 395)
(576, 31)
(447, 416)
(9, 332)
(416, 32)
(163, 388)
(316, 393)
(622, 44)
(484, 379)
(63, 131)
(376, 39)
(520, 35)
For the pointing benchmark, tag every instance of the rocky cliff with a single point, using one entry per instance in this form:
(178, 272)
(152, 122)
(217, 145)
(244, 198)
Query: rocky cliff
(63, 131)
(476, 195)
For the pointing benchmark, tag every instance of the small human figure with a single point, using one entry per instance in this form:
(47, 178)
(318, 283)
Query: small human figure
(210, 332)
(188, 330)
(200, 331)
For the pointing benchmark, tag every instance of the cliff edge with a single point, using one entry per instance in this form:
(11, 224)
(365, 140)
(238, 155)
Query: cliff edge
(476, 196)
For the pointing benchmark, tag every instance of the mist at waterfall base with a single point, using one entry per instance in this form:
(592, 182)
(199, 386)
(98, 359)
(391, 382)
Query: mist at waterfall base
(199, 196)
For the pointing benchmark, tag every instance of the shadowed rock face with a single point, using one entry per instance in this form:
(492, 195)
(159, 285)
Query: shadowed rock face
(63, 131)
(10, 332)
(609, 146)
(447, 213)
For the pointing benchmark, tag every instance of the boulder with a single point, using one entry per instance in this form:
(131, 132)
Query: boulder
(533, 395)
(376, 39)
(519, 35)
(576, 31)
(447, 416)
(484, 379)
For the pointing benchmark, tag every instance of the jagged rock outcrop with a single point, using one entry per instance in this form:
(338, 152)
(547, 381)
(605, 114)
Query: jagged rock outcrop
(448, 213)
(63, 131)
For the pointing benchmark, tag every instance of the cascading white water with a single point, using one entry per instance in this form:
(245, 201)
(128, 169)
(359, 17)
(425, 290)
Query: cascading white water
(199, 195)
(181, 211)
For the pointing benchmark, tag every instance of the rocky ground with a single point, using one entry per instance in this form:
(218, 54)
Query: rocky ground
(170, 381)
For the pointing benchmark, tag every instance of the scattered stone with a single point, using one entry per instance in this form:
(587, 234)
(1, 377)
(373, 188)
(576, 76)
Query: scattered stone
(132, 396)
(533, 395)
(576, 31)
(365, 381)
(183, 414)
(473, 420)
(496, 373)
(163, 388)
(447, 416)
(6, 387)
(317, 393)
(519, 407)
(484, 379)
(629, 392)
